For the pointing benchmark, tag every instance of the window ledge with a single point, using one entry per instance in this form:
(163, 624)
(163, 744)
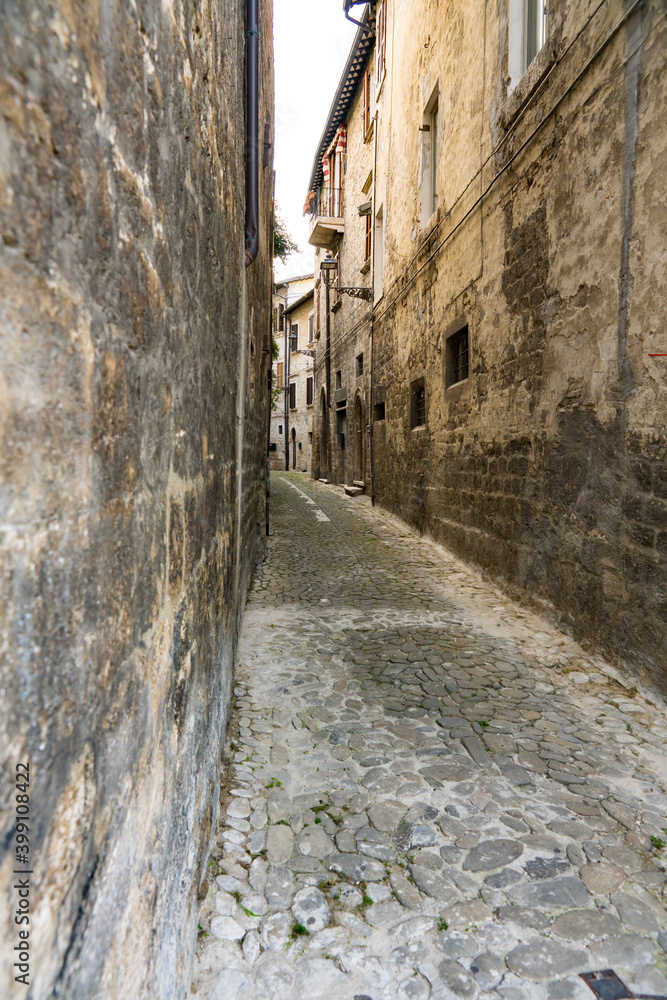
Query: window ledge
(457, 387)
(420, 427)
(526, 86)
(428, 228)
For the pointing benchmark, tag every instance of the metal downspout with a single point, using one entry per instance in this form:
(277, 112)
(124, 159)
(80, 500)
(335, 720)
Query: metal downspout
(252, 131)
(346, 8)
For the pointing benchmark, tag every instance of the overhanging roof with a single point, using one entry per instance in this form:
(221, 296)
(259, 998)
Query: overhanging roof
(288, 281)
(347, 88)
(299, 302)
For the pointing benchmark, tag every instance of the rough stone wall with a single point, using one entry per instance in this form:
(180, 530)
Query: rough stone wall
(547, 466)
(133, 415)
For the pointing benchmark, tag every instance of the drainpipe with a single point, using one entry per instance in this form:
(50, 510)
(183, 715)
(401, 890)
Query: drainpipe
(252, 132)
(346, 8)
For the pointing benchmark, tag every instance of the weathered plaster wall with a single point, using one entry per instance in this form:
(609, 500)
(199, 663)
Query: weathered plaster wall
(300, 369)
(300, 366)
(547, 467)
(133, 412)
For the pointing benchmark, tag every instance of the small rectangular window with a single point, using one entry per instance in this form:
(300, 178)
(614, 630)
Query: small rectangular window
(360, 364)
(528, 30)
(535, 28)
(294, 337)
(292, 395)
(280, 428)
(368, 239)
(429, 160)
(381, 43)
(281, 318)
(280, 375)
(378, 411)
(339, 379)
(366, 113)
(309, 392)
(457, 358)
(418, 403)
(379, 253)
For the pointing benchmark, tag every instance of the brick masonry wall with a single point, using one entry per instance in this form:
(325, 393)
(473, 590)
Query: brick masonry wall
(132, 342)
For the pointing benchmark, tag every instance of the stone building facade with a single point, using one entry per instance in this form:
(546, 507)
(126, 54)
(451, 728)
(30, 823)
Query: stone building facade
(292, 415)
(133, 424)
(518, 267)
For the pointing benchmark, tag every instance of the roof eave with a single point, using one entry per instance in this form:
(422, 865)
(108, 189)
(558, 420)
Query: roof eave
(329, 130)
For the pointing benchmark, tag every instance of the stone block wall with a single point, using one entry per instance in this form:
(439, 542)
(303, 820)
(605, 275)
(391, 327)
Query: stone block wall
(547, 466)
(133, 426)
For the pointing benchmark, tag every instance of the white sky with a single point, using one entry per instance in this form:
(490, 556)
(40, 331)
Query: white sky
(313, 40)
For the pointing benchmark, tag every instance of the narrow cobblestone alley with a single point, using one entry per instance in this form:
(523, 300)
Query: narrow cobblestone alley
(428, 791)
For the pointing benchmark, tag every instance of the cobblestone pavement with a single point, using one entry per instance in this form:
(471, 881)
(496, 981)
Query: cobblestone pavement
(429, 791)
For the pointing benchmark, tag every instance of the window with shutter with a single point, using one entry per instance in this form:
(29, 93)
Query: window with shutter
(367, 104)
(280, 375)
(309, 392)
(381, 44)
(292, 395)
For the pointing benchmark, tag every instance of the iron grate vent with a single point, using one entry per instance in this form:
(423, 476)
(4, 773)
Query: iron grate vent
(606, 985)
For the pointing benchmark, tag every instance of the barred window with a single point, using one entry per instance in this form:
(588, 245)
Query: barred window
(418, 403)
(457, 357)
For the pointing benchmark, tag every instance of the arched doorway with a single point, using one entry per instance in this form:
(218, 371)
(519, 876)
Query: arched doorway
(324, 437)
(358, 439)
(293, 448)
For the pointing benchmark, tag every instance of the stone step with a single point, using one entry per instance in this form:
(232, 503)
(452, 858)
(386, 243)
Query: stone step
(353, 491)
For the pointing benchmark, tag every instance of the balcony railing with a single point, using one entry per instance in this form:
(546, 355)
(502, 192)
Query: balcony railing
(327, 222)
(334, 203)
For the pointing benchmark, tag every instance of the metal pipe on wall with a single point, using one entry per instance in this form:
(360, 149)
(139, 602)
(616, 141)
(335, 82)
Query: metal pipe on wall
(252, 131)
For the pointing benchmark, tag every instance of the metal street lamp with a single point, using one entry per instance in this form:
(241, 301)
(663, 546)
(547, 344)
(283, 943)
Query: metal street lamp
(328, 266)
